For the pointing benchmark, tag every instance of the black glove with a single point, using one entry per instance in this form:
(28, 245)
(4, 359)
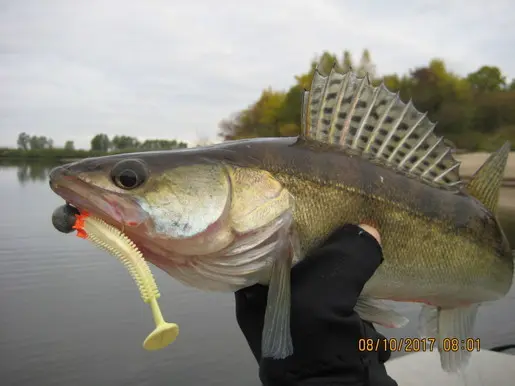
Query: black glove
(324, 327)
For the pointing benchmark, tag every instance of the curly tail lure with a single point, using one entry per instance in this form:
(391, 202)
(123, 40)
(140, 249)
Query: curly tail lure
(116, 243)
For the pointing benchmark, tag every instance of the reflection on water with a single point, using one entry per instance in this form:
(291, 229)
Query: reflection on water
(32, 172)
(29, 171)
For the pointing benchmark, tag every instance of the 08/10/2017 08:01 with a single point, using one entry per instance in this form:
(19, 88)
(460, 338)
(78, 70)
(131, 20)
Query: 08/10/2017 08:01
(419, 344)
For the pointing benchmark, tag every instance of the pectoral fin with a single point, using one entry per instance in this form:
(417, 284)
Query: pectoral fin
(277, 342)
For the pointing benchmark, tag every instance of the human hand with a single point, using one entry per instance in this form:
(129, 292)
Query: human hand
(325, 329)
(372, 231)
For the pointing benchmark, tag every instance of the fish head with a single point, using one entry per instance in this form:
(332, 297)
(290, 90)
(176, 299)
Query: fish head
(177, 203)
(98, 186)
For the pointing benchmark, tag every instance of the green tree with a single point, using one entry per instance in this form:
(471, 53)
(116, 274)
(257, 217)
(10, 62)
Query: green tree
(366, 66)
(162, 144)
(475, 112)
(40, 142)
(23, 141)
(289, 114)
(487, 78)
(100, 142)
(69, 145)
(346, 63)
(35, 143)
(124, 142)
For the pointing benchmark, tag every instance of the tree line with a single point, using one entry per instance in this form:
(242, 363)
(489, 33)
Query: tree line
(100, 143)
(42, 147)
(475, 111)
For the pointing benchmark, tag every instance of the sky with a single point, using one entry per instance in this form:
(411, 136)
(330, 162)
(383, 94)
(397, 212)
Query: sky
(70, 69)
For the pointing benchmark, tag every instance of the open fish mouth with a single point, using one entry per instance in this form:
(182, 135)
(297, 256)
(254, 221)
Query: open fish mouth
(115, 209)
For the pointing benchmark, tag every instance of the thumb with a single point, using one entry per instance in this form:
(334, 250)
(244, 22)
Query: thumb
(372, 231)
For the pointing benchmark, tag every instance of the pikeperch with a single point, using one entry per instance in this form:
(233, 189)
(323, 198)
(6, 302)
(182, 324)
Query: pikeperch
(231, 215)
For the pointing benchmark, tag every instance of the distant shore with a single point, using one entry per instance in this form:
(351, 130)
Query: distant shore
(55, 154)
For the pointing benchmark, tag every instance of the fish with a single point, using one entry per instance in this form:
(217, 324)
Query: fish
(227, 216)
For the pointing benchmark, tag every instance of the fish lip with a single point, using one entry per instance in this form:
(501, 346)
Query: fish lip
(73, 191)
(94, 200)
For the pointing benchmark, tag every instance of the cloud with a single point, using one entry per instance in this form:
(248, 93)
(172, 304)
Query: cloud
(174, 69)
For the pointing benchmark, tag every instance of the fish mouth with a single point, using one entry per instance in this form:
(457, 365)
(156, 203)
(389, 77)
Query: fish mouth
(115, 209)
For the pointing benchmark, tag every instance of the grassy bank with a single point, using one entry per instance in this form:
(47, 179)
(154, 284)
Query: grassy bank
(46, 154)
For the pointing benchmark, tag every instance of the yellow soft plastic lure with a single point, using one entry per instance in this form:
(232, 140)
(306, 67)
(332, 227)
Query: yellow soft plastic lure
(116, 243)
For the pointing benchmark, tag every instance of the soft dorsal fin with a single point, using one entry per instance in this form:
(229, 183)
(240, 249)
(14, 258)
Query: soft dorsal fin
(486, 182)
(348, 111)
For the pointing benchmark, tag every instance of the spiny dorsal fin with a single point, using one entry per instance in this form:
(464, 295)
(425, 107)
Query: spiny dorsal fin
(348, 111)
(486, 182)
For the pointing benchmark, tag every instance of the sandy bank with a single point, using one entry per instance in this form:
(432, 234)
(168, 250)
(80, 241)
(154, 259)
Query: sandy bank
(507, 198)
(470, 162)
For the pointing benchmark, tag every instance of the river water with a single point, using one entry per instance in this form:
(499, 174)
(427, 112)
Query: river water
(71, 315)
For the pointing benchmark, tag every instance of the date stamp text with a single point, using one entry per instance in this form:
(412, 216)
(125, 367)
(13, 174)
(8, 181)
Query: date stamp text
(419, 344)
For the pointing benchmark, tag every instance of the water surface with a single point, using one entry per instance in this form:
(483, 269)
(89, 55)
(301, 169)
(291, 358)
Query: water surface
(71, 315)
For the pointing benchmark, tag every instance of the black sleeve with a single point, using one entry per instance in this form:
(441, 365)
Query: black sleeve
(250, 315)
(324, 327)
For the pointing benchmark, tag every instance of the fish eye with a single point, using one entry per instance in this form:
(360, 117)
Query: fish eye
(129, 174)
